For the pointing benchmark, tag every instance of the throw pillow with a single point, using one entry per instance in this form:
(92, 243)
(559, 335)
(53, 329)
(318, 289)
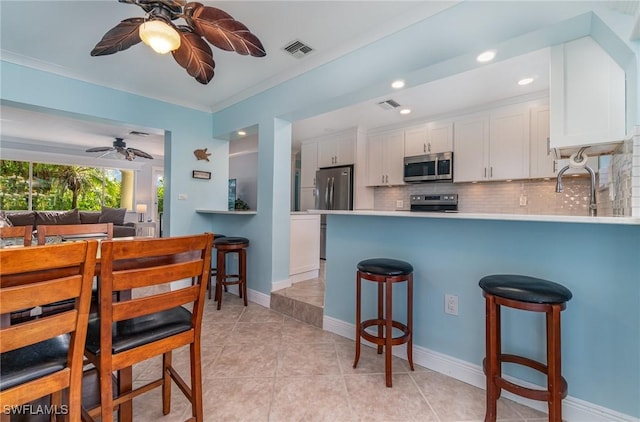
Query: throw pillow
(26, 218)
(58, 217)
(112, 215)
(89, 217)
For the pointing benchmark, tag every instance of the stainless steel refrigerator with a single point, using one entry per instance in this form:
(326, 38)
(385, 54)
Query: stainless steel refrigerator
(334, 191)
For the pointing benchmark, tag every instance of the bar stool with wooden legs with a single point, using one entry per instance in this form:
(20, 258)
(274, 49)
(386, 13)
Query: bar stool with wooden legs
(385, 272)
(225, 246)
(528, 294)
(214, 270)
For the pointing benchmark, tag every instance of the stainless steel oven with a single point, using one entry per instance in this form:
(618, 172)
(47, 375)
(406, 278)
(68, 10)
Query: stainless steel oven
(428, 168)
(447, 202)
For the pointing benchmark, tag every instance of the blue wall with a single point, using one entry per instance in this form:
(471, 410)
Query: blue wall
(186, 130)
(599, 263)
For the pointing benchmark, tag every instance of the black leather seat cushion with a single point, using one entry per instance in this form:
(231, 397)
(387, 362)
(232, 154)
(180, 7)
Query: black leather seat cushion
(218, 236)
(139, 331)
(231, 241)
(525, 289)
(385, 266)
(34, 361)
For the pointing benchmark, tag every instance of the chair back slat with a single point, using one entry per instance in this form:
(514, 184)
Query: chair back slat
(145, 277)
(157, 247)
(98, 229)
(23, 261)
(151, 304)
(16, 298)
(13, 337)
(17, 231)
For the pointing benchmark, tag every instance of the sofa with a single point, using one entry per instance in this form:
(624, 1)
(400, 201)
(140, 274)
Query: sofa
(75, 216)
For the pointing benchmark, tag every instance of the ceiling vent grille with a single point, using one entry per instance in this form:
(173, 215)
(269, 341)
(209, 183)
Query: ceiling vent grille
(297, 49)
(138, 133)
(389, 104)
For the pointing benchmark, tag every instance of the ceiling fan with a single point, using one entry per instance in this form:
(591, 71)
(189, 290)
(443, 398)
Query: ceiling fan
(184, 41)
(120, 146)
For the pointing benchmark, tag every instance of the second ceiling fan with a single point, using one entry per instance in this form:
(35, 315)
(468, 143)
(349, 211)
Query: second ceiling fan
(184, 41)
(120, 146)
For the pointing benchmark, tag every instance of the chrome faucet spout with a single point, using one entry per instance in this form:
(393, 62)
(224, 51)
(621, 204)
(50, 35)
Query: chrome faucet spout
(593, 208)
(559, 186)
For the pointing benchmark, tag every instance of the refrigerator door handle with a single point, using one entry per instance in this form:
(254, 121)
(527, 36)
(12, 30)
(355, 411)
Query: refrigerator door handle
(326, 195)
(331, 193)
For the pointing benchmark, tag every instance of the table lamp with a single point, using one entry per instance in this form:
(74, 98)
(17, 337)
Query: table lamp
(141, 209)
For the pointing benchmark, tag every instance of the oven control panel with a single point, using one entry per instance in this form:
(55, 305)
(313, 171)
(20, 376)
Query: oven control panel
(434, 202)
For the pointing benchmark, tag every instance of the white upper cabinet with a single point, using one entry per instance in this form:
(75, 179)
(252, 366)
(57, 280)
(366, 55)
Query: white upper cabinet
(492, 146)
(385, 158)
(509, 143)
(586, 94)
(471, 149)
(542, 162)
(308, 164)
(429, 138)
(337, 150)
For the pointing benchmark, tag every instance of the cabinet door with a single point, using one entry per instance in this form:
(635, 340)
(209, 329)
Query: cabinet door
(586, 94)
(307, 199)
(327, 153)
(345, 150)
(375, 152)
(415, 141)
(393, 158)
(470, 154)
(440, 137)
(542, 162)
(308, 164)
(509, 143)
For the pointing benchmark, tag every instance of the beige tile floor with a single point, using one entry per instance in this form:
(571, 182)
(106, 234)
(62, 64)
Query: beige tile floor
(261, 365)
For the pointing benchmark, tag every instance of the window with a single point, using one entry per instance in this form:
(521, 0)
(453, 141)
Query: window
(63, 187)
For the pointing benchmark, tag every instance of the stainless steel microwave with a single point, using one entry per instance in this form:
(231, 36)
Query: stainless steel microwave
(430, 167)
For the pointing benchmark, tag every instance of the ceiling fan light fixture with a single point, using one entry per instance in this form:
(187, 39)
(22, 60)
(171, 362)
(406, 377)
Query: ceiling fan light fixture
(160, 36)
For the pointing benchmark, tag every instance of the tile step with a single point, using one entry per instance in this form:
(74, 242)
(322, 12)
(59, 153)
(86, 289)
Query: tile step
(298, 309)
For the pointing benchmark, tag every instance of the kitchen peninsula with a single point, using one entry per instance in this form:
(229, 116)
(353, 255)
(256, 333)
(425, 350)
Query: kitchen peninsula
(597, 258)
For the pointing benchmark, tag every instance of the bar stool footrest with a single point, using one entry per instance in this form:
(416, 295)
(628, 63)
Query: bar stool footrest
(530, 393)
(404, 338)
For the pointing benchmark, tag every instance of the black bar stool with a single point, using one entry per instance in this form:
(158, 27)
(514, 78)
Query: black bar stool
(224, 246)
(529, 294)
(385, 272)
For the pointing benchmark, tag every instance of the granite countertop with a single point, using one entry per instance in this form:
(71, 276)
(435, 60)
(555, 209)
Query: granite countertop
(486, 216)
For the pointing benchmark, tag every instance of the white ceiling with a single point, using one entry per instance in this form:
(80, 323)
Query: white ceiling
(57, 36)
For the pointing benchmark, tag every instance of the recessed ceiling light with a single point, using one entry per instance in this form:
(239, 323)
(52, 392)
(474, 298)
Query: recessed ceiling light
(525, 81)
(242, 132)
(487, 56)
(405, 111)
(397, 84)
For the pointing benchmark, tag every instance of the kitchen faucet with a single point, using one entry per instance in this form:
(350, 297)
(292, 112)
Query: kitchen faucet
(579, 159)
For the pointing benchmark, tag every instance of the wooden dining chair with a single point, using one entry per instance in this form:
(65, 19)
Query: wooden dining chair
(17, 232)
(44, 356)
(153, 322)
(74, 231)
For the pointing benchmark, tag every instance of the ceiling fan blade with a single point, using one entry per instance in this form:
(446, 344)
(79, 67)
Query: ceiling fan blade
(222, 30)
(195, 56)
(100, 149)
(120, 37)
(139, 153)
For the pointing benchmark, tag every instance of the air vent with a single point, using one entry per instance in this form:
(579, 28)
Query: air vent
(138, 133)
(297, 49)
(389, 104)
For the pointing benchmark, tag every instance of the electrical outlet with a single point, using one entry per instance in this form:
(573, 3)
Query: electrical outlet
(451, 304)
(523, 200)
(399, 204)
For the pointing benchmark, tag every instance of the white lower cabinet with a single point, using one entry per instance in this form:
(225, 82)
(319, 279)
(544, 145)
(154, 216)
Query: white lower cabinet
(307, 199)
(492, 146)
(385, 157)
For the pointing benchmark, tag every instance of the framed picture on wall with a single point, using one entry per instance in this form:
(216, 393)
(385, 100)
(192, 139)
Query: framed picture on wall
(198, 174)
